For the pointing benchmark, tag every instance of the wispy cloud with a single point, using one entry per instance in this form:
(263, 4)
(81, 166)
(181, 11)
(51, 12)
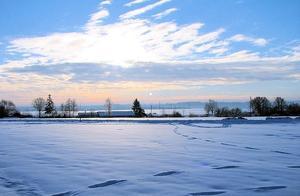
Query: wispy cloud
(79, 73)
(97, 17)
(106, 2)
(244, 38)
(134, 13)
(164, 13)
(134, 2)
(136, 41)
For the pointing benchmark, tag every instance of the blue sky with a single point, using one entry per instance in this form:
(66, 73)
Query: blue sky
(156, 50)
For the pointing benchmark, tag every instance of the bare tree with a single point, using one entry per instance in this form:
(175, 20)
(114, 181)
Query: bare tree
(62, 109)
(261, 106)
(279, 105)
(39, 104)
(74, 106)
(7, 109)
(211, 107)
(108, 106)
(68, 106)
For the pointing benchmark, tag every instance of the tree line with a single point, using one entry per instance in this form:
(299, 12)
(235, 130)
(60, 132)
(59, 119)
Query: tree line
(47, 108)
(258, 106)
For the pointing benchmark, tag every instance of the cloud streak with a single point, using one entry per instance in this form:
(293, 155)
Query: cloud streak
(137, 12)
(164, 13)
(244, 38)
(134, 2)
(234, 72)
(105, 2)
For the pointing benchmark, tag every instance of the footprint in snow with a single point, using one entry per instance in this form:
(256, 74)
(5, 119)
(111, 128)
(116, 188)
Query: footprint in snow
(294, 166)
(107, 183)
(211, 141)
(225, 144)
(208, 193)
(280, 152)
(68, 193)
(270, 135)
(266, 188)
(167, 173)
(227, 167)
(251, 148)
(19, 187)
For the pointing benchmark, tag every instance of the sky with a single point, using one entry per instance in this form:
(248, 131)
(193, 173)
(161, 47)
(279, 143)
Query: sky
(155, 50)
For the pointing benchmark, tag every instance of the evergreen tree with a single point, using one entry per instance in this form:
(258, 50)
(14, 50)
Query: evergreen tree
(137, 109)
(49, 108)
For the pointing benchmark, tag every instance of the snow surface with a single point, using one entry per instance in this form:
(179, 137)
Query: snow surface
(175, 157)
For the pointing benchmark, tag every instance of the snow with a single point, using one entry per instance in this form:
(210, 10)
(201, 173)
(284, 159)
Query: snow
(138, 157)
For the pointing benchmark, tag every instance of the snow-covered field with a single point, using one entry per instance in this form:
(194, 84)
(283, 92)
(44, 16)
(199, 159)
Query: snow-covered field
(146, 158)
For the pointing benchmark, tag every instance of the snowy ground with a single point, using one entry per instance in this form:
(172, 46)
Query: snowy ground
(163, 158)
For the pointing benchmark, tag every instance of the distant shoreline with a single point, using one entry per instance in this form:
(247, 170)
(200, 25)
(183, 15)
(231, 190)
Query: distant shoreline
(184, 120)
